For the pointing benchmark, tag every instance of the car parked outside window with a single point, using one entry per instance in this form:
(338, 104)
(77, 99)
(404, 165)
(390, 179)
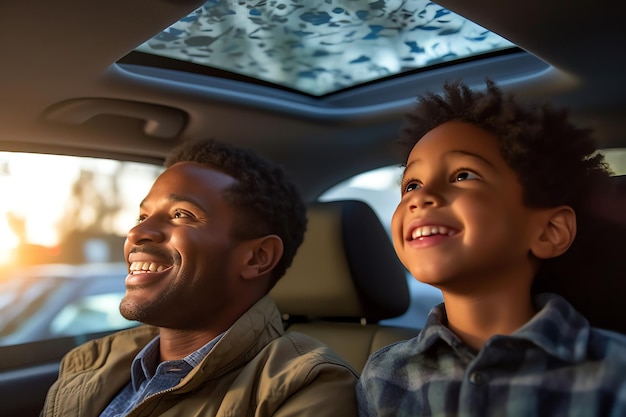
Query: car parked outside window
(54, 300)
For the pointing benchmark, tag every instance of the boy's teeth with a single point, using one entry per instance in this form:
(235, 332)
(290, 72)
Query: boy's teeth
(431, 230)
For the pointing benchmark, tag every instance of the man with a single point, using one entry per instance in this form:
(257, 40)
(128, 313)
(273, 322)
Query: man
(216, 231)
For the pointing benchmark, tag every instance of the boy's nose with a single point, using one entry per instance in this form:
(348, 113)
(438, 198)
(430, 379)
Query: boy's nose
(425, 197)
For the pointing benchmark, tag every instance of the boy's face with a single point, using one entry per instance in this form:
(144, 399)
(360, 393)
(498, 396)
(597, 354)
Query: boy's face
(461, 223)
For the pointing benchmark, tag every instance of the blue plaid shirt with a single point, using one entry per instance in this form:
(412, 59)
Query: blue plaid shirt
(149, 377)
(555, 365)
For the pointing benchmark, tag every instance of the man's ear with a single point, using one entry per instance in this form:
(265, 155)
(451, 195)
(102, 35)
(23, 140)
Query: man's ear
(556, 233)
(262, 255)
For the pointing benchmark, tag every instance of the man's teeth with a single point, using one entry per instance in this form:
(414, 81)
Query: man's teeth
(431, 230)
(141, 267)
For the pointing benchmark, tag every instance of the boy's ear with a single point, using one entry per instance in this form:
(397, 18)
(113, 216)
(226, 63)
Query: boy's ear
(261, 256)
(556, 233)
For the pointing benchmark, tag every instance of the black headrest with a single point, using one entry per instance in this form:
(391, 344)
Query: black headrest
(345, 268)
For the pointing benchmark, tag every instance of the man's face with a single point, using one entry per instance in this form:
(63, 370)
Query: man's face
(461, 223)
(183, 261)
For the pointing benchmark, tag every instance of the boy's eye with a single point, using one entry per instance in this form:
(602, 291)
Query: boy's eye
(464, 175)
(410, 186)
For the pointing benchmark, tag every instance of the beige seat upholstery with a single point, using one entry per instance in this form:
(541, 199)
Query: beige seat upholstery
(344, 280)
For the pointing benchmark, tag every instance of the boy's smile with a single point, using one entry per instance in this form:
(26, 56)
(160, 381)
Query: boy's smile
(423, 233)
(461, 216)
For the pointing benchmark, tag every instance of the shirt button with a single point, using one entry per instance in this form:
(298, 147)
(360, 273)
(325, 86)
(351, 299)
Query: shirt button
(477, 378)
(510, 344)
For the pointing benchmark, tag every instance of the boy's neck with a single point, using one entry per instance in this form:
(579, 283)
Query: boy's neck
(477, 317)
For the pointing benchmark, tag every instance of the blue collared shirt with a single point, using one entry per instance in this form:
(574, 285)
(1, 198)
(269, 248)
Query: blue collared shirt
(149, 377)
(555, 365)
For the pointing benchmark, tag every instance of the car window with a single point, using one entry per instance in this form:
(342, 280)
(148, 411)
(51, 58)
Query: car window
(616, 158)
(61, 254)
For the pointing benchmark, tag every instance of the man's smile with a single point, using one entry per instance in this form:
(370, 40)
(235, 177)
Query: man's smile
(146, 267)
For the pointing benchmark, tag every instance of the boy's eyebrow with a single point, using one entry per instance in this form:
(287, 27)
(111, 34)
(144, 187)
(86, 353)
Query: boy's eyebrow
(482, 158)
(458, 151)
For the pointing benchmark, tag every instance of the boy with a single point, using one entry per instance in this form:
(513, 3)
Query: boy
(490, 195)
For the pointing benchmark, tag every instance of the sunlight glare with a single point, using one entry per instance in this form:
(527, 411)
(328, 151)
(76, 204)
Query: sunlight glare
(40, 195)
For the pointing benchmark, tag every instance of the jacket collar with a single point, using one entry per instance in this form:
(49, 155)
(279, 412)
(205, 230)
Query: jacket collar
(254, 330)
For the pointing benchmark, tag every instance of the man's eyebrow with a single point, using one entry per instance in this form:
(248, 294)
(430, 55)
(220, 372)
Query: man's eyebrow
(185, 199)
(180, 198)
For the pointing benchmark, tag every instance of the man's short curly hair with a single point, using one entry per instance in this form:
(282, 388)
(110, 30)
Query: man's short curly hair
(266, 200)
(555, 162)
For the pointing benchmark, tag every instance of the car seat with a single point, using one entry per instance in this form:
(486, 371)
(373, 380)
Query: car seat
(344, 280)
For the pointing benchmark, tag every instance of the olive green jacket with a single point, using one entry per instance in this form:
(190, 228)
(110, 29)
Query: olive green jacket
(254, 370)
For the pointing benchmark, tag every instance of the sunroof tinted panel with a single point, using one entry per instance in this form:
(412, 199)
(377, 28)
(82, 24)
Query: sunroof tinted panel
(322, 47)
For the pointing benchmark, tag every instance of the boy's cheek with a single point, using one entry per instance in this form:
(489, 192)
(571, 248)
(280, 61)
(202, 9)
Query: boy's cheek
(397, 231)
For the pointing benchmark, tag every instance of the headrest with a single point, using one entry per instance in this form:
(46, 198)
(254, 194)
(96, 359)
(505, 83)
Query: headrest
(345, 268)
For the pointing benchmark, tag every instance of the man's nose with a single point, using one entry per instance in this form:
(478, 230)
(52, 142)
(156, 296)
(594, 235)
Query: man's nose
(148, 230)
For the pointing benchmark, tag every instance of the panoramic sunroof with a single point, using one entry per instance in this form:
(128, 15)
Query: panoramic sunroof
(321, 47)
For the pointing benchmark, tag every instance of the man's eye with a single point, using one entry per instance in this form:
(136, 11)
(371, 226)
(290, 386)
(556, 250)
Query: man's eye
(180, 214)
(465, 175)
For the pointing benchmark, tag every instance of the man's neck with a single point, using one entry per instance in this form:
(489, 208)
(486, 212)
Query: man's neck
(177, 344)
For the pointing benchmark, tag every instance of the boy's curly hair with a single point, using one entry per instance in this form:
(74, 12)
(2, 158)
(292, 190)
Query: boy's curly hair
(265, 199)
(555, 162)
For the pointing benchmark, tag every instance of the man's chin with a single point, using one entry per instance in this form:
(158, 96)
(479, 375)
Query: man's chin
(133, 311)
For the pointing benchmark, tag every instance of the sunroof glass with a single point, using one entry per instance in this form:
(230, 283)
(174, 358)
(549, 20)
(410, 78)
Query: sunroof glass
(322, 47)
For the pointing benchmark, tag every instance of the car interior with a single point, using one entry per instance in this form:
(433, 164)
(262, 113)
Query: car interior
(95, 94)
